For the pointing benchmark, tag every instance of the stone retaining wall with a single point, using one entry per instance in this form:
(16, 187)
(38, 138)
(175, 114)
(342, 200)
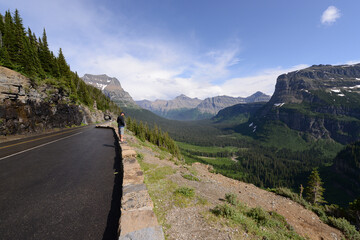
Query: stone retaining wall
(138, 220)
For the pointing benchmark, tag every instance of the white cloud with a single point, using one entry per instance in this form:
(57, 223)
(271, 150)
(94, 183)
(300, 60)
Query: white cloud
(148, 67)
(330, 15)
(351, 62)
(264, 81)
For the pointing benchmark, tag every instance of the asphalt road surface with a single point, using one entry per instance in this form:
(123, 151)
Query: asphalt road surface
(61, 186)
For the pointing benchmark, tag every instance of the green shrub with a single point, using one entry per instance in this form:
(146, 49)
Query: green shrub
(140, 156)
(259, 215)
(231, 198)
(224, 210)
(185, 191)
(343, 225)
(190, 177)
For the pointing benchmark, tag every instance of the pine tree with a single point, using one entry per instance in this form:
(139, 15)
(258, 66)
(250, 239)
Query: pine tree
(19, 44)
(9, 36)
(314, 190)
(5, 58)
(355, 209)
(33, 57)
(64, 68)
(45, 54)
(2, 28)
(54, 66)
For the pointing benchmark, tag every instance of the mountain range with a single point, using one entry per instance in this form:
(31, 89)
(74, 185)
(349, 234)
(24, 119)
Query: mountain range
(185, 108)
(312, 115)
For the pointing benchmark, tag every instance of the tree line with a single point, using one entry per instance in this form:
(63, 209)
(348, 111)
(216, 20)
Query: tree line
(22, 51)
(153, 135)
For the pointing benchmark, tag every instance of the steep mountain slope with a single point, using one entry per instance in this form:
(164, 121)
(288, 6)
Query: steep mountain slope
(185, 108)
(189, 214)
(322, 100)
(111, 87)
(343, 176)
(238, 113)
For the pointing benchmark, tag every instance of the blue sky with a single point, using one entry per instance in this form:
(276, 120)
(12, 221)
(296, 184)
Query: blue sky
(200, 48)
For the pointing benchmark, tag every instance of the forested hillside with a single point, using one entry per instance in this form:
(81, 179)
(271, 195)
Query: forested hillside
(22, 51)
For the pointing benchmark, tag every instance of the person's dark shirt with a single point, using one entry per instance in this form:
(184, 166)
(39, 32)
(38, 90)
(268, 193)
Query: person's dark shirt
(121, 121)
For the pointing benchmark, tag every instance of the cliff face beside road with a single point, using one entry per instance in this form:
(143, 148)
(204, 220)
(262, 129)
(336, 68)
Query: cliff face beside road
(25, 108)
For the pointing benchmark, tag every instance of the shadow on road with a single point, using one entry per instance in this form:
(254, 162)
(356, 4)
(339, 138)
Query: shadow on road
(112, 226)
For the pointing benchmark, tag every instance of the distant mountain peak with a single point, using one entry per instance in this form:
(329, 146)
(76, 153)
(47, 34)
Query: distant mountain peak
(184, 97)
(111, 87)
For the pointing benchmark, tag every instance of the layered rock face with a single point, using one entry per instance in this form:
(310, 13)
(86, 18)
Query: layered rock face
(24, 109)
(322, 100)
(111, 87)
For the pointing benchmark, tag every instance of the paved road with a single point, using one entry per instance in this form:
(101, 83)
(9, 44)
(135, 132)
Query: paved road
(61, 186)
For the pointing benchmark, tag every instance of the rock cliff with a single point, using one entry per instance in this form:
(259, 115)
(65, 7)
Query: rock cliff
(322, 100)
(25, 108)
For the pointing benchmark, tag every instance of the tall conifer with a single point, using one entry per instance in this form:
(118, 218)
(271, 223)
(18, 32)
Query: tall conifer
(9, 36)
(44, 54)
(314, 190)
(19, 38)
(64, 68)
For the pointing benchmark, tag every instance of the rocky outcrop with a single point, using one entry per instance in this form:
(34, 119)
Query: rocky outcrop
(322, 100)
(26, 109)
(111, 87)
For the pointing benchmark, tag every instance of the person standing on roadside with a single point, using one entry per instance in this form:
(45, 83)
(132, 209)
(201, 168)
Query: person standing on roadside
(121, 124)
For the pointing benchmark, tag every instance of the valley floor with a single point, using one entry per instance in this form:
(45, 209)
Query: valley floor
(192, 218)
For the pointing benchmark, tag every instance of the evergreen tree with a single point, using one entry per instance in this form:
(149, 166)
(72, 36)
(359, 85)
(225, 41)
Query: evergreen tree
(19, 41)
(2, 28)
(314, 190)
(355, 209)
(33, 65)
(64, 68)
(45, 54)
(9, 36)
(2, 25)
(5, 58)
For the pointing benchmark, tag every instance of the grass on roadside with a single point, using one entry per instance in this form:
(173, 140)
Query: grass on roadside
(254, 221)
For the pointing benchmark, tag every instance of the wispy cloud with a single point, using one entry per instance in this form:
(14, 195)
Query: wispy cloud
(148, 66)
(330, 15)
(264, 81)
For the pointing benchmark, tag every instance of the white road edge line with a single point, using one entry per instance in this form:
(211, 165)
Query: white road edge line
(38, 146)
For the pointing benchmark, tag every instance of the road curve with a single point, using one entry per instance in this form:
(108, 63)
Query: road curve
(61, 186)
